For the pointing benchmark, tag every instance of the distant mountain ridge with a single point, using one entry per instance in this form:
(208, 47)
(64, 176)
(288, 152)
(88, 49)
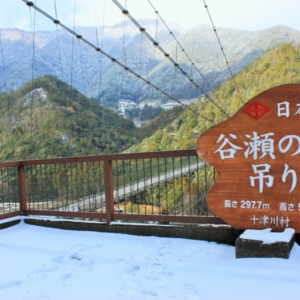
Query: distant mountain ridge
(98, 77)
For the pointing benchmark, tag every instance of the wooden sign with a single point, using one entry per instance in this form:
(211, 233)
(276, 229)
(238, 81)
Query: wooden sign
(257, 157)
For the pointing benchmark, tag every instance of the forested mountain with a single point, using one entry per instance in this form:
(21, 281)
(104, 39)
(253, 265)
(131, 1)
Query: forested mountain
(160, 122)
(59, 54)
(277, 66)
(48, 118)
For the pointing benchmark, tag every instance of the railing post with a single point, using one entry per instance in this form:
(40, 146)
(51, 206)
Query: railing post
(109, 194)
(22, 188)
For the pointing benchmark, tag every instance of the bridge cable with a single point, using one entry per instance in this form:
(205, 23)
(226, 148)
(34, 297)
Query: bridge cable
(58, 43)
(155, 48)
(124, 28)
(9, 117)
(34, 89)
(189, 58)
(102, 39)
(99, 55)
(32, 73)
(72, 60)
(138, 86)
(83, 66)
(222, 49)
(191, 61)
(3, 66)
(140, 68)
(193, 42)
(145, 59)
(97, 43)
(176, 48)
(178, 18)
(167, 55)
(72, 67)
(124, 58)
(143, 54)
(114, 60)
(61, 67)
(85, 79)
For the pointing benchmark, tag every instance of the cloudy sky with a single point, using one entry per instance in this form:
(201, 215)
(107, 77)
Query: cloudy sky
(240, 14)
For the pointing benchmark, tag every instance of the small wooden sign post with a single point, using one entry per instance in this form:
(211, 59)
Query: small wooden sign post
(257, 157)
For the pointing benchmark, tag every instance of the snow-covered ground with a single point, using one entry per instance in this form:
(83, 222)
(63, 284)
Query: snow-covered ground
(45, 263)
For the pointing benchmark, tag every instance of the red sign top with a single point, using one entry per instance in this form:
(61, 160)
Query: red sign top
(256, 110)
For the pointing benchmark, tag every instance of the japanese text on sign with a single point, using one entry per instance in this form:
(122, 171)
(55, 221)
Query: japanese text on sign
(260, 146)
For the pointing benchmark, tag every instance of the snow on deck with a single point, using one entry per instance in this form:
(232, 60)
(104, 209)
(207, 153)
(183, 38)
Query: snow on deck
(45, 263)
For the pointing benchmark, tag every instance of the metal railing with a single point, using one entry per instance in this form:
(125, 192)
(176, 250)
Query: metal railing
(167, 186)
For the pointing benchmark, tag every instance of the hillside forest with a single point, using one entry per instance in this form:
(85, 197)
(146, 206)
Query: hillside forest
(277, 66)
(56, 120)
(63, 122)
(48, 118)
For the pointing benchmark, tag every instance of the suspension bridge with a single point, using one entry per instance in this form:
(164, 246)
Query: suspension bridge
(93, 202)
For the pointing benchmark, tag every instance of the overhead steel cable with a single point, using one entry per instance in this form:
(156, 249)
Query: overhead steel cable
(83, 67)
(76, 100)
(9, 117)
(222, 49)
(102, 39)
(124, 58)
(58, 116)
(188, 57)
(3, 67)
(58, 43)
(114, 60)
(72, 62)
(33, 23)
(167, 55)
(97, 41)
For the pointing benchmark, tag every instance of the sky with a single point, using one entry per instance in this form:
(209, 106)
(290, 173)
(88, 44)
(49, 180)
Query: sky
(44, 263)
(239, 14)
